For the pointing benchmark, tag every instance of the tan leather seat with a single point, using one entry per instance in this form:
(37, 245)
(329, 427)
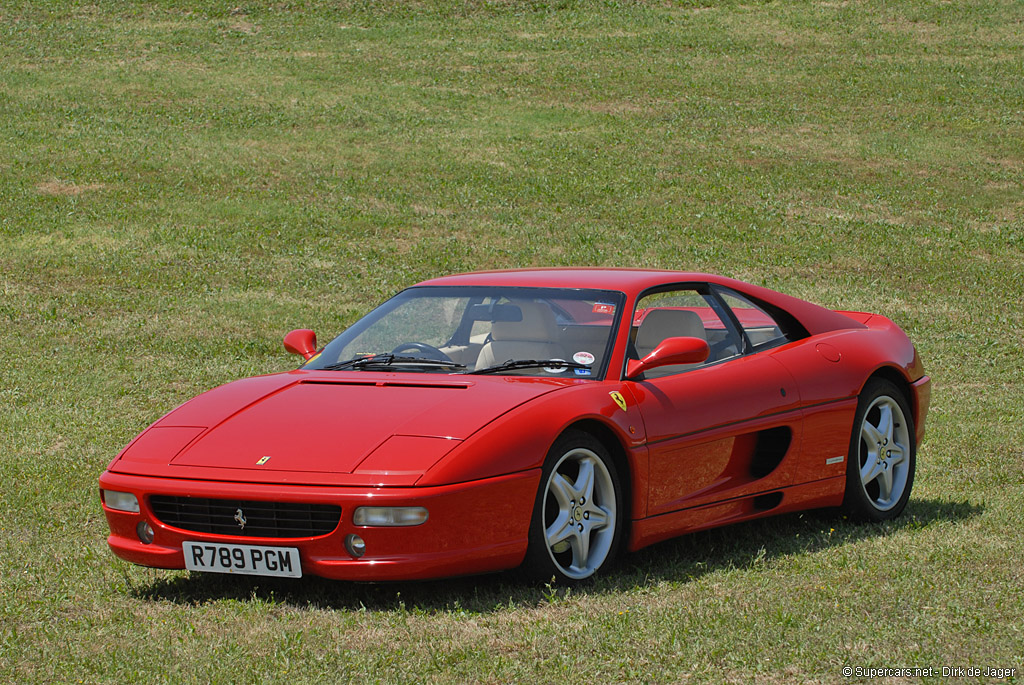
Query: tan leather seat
(659, 324)
(532, 338)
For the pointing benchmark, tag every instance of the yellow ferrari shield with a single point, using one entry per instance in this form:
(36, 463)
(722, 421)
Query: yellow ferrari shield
(619, 399)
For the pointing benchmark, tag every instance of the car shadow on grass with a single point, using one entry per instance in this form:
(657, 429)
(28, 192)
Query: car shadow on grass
(681, 560)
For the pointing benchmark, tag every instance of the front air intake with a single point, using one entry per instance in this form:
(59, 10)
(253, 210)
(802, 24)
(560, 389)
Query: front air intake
(246, 518)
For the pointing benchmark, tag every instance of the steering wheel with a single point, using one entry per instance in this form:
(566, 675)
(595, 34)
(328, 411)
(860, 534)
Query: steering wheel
(425, 350)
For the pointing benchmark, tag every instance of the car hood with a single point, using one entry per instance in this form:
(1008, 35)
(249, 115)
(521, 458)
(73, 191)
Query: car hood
(330, 428)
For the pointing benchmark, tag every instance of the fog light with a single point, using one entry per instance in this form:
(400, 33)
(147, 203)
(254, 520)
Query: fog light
(122, 501)
(145, 532)
(389, 516)
(355, 545)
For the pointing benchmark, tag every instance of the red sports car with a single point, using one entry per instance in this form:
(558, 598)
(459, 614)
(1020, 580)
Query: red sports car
(541, 419)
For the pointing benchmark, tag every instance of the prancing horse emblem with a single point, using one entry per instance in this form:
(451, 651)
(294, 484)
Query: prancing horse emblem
(619, 400)
(240, 518)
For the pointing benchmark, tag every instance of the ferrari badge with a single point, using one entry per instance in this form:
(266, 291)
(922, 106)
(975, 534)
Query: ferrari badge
(619, 399)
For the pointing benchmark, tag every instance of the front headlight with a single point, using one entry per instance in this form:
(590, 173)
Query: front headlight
(389, 516)
(122, 501)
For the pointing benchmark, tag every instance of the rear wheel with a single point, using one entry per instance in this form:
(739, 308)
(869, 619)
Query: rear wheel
(577, 516)
(880, 468)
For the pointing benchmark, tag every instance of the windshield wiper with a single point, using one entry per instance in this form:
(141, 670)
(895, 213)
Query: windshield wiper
(529, 364)
(391, 360)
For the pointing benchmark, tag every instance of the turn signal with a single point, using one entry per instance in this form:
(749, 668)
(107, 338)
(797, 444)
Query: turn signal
(389, 516)
(122, 501)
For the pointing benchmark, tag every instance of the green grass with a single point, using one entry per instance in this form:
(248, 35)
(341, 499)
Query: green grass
(182, 183)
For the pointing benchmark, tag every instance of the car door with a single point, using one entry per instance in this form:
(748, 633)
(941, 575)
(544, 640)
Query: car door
(723, 429)
(828, 386)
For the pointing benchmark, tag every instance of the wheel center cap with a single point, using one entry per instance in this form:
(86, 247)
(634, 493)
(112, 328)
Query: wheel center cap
(578, 513)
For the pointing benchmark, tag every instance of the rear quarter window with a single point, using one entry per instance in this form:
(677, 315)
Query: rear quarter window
(763, 329)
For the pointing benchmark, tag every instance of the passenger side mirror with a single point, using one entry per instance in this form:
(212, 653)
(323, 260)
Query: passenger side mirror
(301, 341)
(670, 351)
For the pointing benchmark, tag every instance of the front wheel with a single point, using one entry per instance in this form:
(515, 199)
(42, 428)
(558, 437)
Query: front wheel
(577, 516)
(880, 468)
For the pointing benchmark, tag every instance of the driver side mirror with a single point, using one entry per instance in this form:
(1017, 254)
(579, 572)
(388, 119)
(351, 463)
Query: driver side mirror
(670, 351)
(301, 341)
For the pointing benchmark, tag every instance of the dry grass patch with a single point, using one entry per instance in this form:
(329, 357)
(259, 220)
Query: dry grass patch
(245, 27)
(59, 188)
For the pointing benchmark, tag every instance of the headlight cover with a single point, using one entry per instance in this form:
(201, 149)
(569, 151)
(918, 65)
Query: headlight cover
(389, 516)
(121, 501)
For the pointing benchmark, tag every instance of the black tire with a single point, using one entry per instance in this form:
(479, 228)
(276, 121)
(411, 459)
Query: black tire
(883, 454)
(590, 533)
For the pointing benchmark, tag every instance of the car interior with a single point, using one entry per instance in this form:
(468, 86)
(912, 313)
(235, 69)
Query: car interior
(532, 337)
(526, 329)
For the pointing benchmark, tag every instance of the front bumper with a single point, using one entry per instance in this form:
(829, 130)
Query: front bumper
(472, 527)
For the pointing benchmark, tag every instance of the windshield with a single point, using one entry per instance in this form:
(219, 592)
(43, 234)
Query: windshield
(513, 331)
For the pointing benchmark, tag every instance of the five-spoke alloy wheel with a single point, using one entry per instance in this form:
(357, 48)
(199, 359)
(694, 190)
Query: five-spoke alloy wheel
(880, 469)
(577, 519)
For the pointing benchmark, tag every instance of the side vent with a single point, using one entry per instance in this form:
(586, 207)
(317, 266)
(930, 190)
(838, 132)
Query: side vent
(767, 501)
(772, 445)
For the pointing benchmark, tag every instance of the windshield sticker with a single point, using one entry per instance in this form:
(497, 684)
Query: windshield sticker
(312, 359)
(582, 372)
(583, 358)
(556, 369)
(603, 308)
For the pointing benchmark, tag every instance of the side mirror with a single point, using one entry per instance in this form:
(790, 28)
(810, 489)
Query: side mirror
(670, 351)
(301, 341)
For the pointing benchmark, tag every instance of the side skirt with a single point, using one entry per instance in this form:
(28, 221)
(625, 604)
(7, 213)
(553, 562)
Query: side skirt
(815, 495)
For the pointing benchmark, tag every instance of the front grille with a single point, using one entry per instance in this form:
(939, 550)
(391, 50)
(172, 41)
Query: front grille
(262, 519)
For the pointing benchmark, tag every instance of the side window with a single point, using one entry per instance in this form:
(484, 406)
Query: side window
(760, 327)
(682, 313)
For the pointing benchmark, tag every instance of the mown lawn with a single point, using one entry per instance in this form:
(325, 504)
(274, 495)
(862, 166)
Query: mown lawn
(182, 183)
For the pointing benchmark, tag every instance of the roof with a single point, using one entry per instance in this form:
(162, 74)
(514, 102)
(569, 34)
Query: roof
(814, 318)
(627, 280)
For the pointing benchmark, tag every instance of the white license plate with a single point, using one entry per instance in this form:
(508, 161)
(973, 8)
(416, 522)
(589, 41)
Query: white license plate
(250, 560)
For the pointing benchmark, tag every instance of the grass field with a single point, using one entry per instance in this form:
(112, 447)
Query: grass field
(182, 183)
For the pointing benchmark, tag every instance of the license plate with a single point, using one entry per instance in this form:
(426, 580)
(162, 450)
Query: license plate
(249, 560)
